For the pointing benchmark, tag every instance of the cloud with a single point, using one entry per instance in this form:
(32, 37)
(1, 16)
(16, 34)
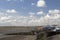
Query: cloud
(18, 20)
(55, 11)
(32, 4)
(4, 18)
(41, 3)
(40, 12)
(31, 14)
(51, 17)
(11, 11)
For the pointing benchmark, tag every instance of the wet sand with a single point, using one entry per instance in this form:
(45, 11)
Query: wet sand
(55, 37)
(19, 37)
(8, 30)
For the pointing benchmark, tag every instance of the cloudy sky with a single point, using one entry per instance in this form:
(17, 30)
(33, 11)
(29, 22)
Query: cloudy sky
(29, 12)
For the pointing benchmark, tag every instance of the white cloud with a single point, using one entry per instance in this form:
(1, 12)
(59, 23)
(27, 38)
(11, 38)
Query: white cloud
(31, 19)
(41, 3)
(51, 18)
(11, 11)
(40, 12)
(55, 11)
(32, 4)
(31, 14)
(4, 18)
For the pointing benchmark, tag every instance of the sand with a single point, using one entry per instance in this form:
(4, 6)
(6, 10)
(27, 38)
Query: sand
(19, 37)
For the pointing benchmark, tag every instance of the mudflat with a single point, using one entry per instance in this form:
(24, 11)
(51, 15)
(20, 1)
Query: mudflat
(55, 37)
(20, 37)
(8, 30)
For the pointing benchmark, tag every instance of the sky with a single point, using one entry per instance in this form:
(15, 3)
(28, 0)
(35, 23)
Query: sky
(29, 12)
